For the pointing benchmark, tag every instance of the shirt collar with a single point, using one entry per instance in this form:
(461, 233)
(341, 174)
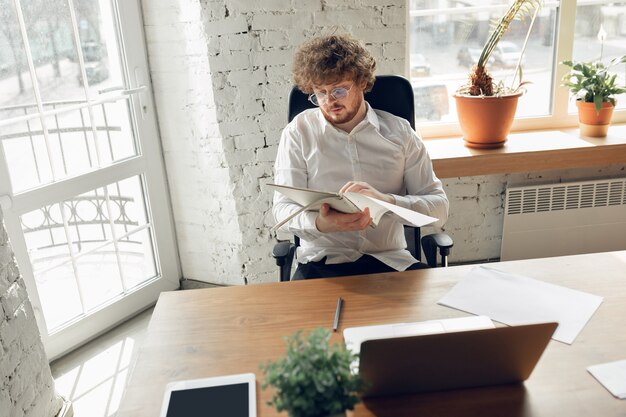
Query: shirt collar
(370, 117)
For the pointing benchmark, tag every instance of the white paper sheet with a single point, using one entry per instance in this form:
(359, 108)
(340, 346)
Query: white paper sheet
(612, 375)
(515, 299)
(354, 336)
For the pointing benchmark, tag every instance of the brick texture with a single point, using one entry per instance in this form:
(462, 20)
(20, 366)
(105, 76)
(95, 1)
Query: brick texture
(26, 384)
(229, 63)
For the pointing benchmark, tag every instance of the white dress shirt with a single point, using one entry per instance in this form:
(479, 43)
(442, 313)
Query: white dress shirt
(381, 150)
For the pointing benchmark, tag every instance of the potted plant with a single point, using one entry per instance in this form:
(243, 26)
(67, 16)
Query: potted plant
(313, 379)
(595, 90)
(486, 109)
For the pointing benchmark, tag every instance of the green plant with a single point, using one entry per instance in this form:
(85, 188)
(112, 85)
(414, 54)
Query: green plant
(313, 379)
(591, 81)
(480, 81)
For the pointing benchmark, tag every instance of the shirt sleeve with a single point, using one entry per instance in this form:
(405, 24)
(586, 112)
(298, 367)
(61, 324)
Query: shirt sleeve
(290, 169)
(424, 191)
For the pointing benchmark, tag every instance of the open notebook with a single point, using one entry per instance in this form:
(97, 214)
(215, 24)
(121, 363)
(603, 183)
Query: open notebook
(348, 203)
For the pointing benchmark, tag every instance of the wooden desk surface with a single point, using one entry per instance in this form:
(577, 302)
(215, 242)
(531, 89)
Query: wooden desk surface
(210, 332)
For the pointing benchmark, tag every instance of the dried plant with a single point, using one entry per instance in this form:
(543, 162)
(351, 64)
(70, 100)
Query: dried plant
(480, 81)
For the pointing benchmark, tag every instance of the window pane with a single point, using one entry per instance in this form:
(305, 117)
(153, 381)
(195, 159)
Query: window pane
(127, 205)
(444, 44)
(90, 214)
(98, 268)
(88, 221)
(99, 276)
(45, 238)
(99, 43)
(25, 154)
(137, 258)
(71, 143)
(590, 18)
(59, 296)
(115, 133)
(79, 140)
(52, 266)
(15, 82)
(52, 45)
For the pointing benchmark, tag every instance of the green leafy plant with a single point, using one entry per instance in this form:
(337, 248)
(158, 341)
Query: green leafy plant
(592, 82)
(313, 379)
(480, 81)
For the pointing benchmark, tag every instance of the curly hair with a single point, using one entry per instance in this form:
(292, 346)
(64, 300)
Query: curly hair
(332, 58)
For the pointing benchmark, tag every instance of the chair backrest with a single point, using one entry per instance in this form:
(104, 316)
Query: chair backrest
(391, 93)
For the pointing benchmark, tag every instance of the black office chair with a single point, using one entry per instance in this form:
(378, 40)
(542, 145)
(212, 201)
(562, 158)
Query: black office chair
(394, 94)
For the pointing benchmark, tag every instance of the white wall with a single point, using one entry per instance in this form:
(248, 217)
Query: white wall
(26, 385)
(221, 74)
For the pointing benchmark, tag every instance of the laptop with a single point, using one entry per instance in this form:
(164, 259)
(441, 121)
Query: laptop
(458, 359)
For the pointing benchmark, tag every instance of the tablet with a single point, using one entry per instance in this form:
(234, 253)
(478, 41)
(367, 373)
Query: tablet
(222, 396)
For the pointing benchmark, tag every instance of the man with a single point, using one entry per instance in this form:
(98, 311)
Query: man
(347, 146)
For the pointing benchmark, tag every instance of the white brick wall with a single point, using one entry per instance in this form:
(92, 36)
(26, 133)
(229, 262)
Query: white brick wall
(221, 75)
(229, 62)
(26, 385)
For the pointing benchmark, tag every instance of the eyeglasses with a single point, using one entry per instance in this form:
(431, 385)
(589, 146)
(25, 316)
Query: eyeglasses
(337, 94)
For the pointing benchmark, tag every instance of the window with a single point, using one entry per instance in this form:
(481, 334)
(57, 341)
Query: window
(446, 38)
(82, 184)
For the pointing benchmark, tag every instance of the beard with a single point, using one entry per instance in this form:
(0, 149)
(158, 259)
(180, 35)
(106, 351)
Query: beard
(339, 114)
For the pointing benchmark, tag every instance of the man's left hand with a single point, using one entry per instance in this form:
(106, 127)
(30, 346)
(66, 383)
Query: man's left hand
(366, 189)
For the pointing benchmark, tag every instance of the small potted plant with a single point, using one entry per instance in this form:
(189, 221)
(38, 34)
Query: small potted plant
(313, 379)
(486, 110)
(595, 90)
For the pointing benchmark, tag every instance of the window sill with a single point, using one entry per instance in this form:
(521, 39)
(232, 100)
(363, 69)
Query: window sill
(528, 152)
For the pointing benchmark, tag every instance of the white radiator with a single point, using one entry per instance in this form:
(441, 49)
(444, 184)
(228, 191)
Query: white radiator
(564, 219)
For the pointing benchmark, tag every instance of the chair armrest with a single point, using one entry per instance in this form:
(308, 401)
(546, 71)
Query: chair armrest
(430, 243)
(441, 240)
(280, 251)
(283, 252)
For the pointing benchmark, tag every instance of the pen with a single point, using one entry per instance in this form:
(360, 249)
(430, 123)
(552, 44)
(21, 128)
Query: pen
(337, 313)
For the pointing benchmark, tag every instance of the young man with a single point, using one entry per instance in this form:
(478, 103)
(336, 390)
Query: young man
(345, 145)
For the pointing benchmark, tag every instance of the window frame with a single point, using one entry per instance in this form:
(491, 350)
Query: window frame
(559, 116)
(148, 164)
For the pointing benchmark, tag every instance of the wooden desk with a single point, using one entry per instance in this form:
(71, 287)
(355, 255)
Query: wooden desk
(200, 333)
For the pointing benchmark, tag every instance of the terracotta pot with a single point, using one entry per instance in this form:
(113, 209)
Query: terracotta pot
(592, 123)
(486, 121)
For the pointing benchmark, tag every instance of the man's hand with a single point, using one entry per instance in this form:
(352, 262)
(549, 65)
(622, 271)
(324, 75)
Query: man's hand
(366, 189)
(329, 220)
